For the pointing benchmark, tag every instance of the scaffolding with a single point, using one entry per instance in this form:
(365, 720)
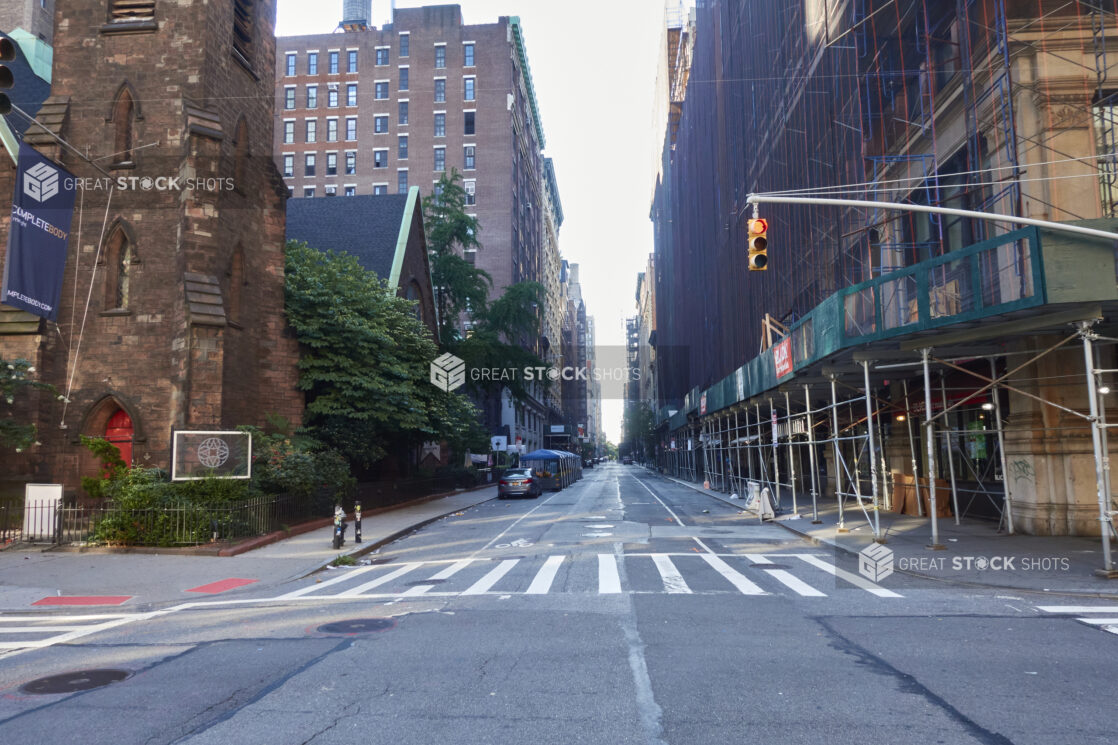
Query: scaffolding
(995, 106)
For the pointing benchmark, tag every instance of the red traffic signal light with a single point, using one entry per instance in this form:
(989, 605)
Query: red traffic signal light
(758, 245)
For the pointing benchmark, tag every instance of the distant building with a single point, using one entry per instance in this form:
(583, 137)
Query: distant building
(36, 17)
(385, 233)
(379, 110)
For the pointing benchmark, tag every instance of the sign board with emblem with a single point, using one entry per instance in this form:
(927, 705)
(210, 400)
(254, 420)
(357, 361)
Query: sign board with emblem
(211, 454)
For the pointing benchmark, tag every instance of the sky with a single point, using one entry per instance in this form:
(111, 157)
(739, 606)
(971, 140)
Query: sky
(593, 65)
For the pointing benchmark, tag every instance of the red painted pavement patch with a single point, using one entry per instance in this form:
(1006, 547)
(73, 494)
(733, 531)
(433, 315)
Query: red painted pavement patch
(223, 585)
(84, 600)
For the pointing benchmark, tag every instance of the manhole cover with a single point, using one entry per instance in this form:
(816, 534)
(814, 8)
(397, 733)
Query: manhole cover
(768, 566)
(426, 582)
(80, 680)
(357, 626)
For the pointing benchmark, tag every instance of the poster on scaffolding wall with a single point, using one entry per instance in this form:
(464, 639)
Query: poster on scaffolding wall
(42, 210)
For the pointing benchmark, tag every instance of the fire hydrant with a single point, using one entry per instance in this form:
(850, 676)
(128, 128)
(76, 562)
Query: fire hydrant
(339, 527)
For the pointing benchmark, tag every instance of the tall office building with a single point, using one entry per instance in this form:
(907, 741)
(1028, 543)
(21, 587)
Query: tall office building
(376, 110)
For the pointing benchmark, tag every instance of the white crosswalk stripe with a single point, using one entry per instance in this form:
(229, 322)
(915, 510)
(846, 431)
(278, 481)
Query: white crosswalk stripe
(1107, 622)
(38, 631)
(673, 580)
(609, 580)
(543, 580)
(801, 575)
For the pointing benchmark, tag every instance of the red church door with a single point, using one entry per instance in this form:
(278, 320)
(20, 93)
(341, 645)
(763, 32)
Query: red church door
(119, 432)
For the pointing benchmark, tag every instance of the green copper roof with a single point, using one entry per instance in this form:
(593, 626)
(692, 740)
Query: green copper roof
(518, 36)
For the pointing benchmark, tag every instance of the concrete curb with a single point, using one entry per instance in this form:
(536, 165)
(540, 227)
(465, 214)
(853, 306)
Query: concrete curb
(815, 541)
(365, 548)
(279, 535)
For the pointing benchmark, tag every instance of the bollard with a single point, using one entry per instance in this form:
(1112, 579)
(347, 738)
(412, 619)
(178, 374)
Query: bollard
(339, 527)
(357, 522)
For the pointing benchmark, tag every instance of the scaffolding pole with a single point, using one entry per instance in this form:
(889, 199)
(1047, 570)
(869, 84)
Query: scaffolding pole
(837, 455)
(1008, 508)
(873, 456)
(950, 435)
(791, 454)
(912, 452)
(1087, 334)
(811, 457)
(776, 455)
(930, 425)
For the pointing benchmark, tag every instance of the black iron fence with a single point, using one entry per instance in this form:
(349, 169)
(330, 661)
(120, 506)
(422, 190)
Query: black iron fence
(192, 524)
(180, 524)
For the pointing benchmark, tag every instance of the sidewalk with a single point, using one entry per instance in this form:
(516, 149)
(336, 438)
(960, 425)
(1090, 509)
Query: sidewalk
(975, 553)
(28, 576)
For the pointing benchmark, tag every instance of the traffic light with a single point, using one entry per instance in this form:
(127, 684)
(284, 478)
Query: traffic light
(758, 245)
(7, 80)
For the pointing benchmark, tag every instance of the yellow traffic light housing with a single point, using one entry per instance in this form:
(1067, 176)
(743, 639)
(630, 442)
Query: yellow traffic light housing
(7, 79)
(758, 245)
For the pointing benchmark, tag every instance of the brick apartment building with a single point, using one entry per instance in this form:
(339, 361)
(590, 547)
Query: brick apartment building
(185, 328)
(372, 110)
(375, 111)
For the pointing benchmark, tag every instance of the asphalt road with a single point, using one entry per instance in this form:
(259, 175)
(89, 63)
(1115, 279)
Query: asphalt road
(624, 609)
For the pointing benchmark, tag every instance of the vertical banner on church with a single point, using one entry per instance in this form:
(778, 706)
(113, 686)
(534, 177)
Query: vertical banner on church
(42, 211)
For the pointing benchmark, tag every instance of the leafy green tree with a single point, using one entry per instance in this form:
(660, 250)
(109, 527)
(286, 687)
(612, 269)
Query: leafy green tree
(460, 287)
(364, 361)
(501, 337)
(15, 380)
(640, 428)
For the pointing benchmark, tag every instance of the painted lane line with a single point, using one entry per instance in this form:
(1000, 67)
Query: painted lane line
(222, 585)
(343, 576)
(853, 579)
(738, 580)
(541, 584)
(351, 592)
(609, 581)
(514, 524)
(673, 580)
(666, 507)
(1099, 621)
(1078, 608)
(485, 584)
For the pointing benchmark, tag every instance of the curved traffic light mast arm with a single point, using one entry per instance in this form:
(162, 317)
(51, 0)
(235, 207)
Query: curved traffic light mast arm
(756, 199)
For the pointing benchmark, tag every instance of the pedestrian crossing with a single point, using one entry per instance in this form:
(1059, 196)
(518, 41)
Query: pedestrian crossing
(789, 574)
(21, 632)
(1104, 617)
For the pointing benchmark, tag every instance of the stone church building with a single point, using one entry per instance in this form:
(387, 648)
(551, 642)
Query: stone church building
(172, 310)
